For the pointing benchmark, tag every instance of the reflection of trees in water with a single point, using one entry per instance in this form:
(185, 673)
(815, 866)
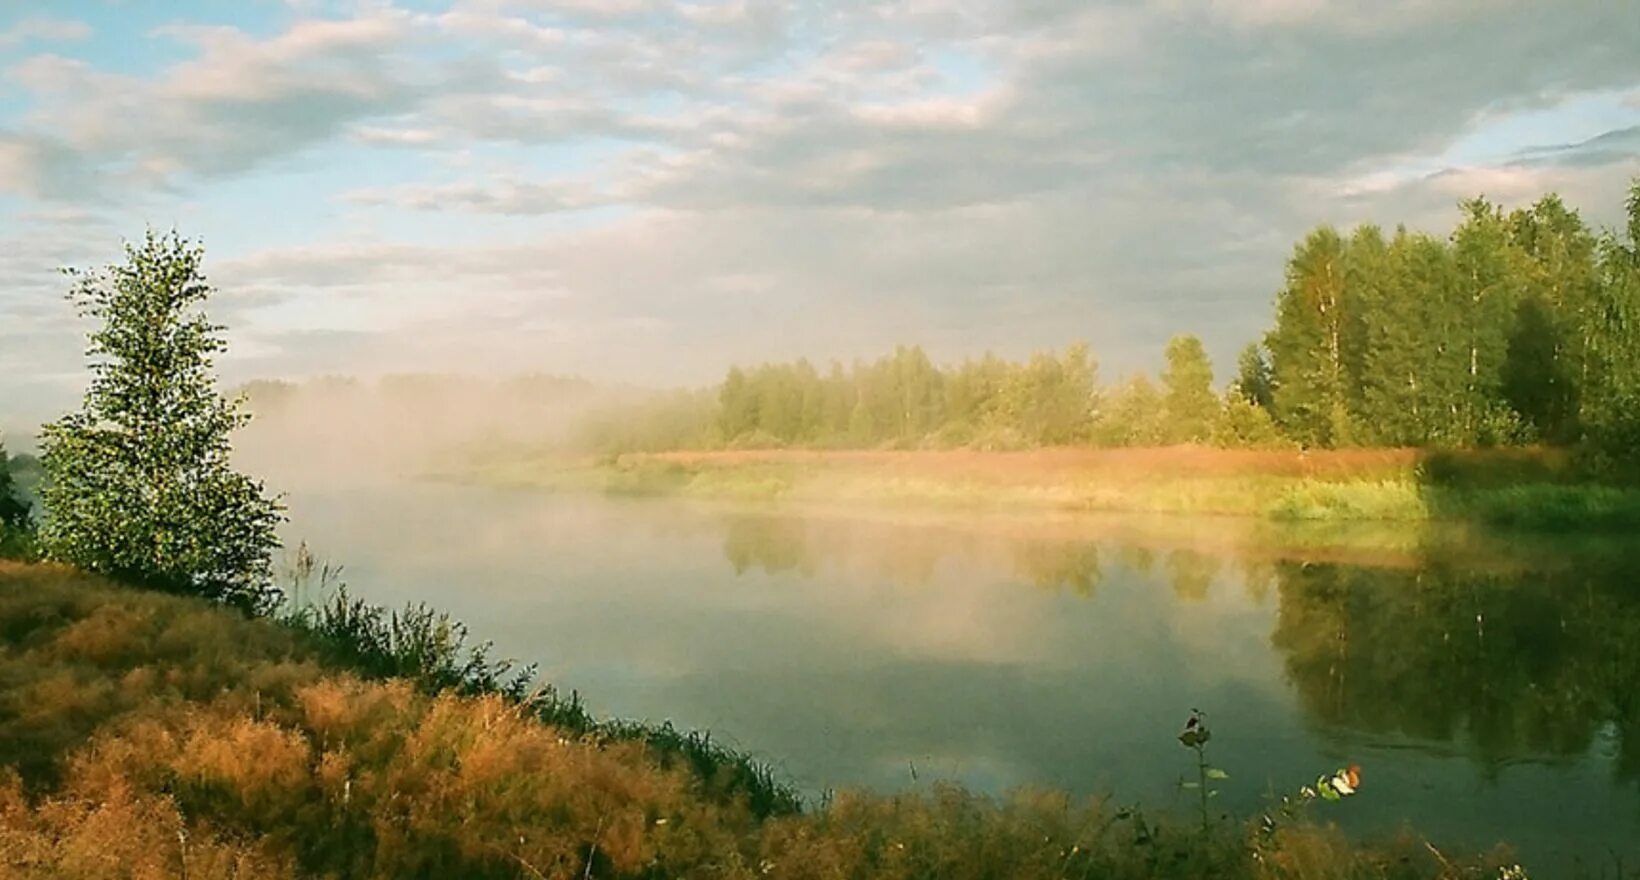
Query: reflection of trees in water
(1060, 565)
(902, 555)
(1504, 664)
(768, 544)
(910, 555)
(774, 545)
(1191, 574)
(1136, 557)
(1258, 577)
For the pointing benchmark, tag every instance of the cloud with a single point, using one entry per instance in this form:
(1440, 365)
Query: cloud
(45, 30)
(1611, 147)
(655, 188)
(238, 103)
(507, 196)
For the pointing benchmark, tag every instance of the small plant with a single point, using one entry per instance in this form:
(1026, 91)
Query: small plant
(1195, 737)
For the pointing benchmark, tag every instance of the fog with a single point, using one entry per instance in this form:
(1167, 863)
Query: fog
(333, 432)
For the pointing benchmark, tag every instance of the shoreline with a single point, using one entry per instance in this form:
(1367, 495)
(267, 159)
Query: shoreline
(196, 741)
(1532, 490)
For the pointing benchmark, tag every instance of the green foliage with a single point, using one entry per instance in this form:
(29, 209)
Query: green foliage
(1611, 401)
(1518, 328)
(656, 423)
(1306, 346)
(415, 643)
(1050, 400)
(1132, 414)
(1190, 405)
(1243, 424)
(16, 514)
(140, 485)
(1254, 382)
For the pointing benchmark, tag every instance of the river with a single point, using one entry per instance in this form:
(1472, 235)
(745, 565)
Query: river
(1488, 685)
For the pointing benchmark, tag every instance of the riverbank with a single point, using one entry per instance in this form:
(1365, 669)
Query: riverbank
(147, 735)
(1537, 489)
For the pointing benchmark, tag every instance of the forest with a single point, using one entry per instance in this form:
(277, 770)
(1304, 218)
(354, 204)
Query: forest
(1519, 327)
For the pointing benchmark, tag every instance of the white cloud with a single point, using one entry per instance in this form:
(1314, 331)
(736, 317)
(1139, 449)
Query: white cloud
(502, 196)
(45, 30)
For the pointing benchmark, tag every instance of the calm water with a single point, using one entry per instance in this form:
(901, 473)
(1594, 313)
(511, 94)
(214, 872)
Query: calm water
(1490, 688)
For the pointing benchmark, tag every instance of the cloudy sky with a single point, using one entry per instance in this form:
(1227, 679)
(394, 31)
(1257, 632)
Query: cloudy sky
(649, 190)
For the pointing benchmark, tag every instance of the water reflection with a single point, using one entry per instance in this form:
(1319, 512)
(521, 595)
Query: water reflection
(1073, 566)
(1488, 685)
(1532, 658)
(1539, 663)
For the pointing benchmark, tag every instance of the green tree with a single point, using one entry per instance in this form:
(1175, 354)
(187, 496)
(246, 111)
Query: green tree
(737, 403)
(1254, 383)
(1413, 371)
(838, 404)
(918, 393)
(976, 401)
(139, 484)
(1546, 363)
(16, 520)
(1486, 271)
(1191, 407)
(1049, 400)
(1611, 398)
(1131, 414)
(1367, 276)
(1307, 344)
(779, 406)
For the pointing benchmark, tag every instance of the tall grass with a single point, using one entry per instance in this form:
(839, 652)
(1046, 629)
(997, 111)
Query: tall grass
(431, 649)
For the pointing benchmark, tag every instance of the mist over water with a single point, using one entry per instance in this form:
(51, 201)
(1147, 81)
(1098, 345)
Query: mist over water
(1484, 682)
(341, 431)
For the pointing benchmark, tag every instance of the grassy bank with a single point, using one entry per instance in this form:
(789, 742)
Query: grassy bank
(1531, 489)
(148, 736)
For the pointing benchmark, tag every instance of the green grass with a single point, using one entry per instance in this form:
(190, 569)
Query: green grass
(1534, 506)
(155, 736)
(1387, 500)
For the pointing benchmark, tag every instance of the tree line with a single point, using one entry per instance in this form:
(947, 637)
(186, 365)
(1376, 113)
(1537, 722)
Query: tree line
(1519, 327)
(1048, 399)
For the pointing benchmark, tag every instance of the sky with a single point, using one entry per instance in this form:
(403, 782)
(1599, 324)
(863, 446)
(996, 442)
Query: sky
(650, 190)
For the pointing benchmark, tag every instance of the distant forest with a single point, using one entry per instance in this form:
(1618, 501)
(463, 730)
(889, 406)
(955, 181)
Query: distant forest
(1520, 327)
